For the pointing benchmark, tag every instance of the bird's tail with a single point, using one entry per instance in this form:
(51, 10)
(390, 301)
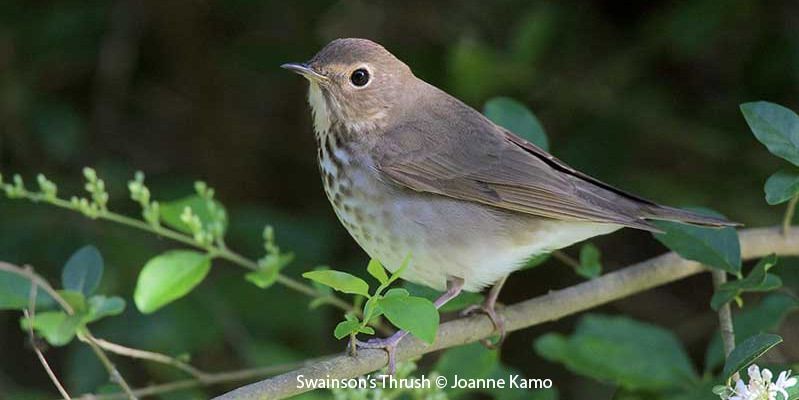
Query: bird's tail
(664, 213)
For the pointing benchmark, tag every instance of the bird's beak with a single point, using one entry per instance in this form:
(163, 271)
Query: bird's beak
(305, 70)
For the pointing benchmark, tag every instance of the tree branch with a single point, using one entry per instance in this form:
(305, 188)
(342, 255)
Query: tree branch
(557, 304)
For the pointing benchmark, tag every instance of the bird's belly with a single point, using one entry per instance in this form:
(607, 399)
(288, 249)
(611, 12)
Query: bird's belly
(444, 237)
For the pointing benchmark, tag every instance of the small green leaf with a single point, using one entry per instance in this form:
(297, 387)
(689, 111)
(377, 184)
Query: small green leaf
(628, 353)
(56, 327)
(766, 316)
(371, 309)
(748, 351)
(76, 300)
(15, 293)
(263, 278)
(758, 280)
(398, 273)
(346, 328)
(269, 269)
(377, 271)
(590, 264)
(341, 281)
(515, 117)
(717, 248)
(172, 210)
(781, 186)
(416, 315)
(168, 277)
(83, 270)
(776, 127)
(102, 306)
(367, 330)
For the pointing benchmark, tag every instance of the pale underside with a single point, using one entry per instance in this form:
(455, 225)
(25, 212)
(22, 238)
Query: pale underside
(445, 237)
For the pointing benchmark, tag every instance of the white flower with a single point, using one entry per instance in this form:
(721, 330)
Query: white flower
(760, 386)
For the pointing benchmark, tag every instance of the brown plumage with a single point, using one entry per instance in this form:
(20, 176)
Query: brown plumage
(410, 169)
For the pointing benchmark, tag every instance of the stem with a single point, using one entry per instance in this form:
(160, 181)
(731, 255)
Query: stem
(786, 221)
(150, 355)
(30, 314)
(113, 372)
(210, 379)
(217, 251)
(755, 243)
(725, 318)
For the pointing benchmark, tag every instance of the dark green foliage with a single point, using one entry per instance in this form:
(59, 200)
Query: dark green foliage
(717, 248)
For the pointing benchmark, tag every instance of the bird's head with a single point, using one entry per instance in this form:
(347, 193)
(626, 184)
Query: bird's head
(353, 82)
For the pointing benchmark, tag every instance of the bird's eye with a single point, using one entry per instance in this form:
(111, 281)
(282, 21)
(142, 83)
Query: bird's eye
(359, 77)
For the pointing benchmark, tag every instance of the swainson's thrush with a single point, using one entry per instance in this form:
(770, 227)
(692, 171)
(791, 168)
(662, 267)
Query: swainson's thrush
(410, 169)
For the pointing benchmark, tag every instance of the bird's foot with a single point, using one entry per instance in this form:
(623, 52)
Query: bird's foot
(491, 312)
(388, 344)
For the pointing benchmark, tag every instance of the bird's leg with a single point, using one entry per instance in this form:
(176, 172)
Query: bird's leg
(389, 344)
(489, 308)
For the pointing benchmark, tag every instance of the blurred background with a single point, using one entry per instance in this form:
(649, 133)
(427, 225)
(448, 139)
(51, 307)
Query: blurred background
(643, 95)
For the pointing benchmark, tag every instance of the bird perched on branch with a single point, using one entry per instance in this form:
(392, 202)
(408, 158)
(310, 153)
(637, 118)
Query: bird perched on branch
(410, 169)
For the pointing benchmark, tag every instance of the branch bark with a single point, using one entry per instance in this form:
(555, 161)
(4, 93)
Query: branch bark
(657, 271)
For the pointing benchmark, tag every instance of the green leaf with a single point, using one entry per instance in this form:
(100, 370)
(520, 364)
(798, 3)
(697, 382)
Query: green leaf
(76, 300)
(748, 351)
(341, 281)
(102, 306)
(717, 248)
(758, 280)
(169, 277)
(375, 268)
(268, 270)
(515, 117)
(56, 327)
(371, 309)
(398, 273)
(15, 293)
(781, 186)
(83, 270)
(776, 127)
(590, 264)
(346, 328)
(629, 353)
(416, 315)
(172, 210)
(766, 316)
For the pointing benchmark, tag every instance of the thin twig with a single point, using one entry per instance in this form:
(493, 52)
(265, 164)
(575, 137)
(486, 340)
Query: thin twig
(113, 372)
(788, 218)
(210, 379)
(85, 336)
(151, 356)
(217, 251)
(38, 281)
(725, 318)
(557, 304)
(30, 315)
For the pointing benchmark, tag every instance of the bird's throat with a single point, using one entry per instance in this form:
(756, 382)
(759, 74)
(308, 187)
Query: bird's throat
(319, 108)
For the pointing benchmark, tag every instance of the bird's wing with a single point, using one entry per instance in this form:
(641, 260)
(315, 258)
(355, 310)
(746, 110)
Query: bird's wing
(465, 156)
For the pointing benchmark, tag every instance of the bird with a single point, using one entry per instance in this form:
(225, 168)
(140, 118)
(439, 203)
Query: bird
(412, 170)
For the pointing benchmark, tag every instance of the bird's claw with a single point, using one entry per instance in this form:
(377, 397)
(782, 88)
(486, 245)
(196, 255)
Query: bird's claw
(388, 344)
(499, 322)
